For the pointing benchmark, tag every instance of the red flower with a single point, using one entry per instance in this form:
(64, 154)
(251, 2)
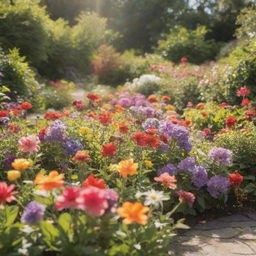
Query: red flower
(204, 114)
(235, 179)
(3, 113)
(123, 128)
(140, 138)
(153, 141)
(91, 181)
(52, 115)
(151, 131)
(230, 121)
(105, 118)
(164, 138)
(242, 91)
(152, 98)
(68, 198)
(26, 105)
(224, 105)
(109, 149)
(245, 102)
(6, 193)
(184, 59)
(93, 97)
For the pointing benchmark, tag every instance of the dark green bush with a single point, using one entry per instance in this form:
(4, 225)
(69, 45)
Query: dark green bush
(17, 76)
(182, 42)
(24, 25)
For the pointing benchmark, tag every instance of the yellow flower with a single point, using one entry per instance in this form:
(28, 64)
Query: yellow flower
(127, 167)
(21, 164)
(106, 106)
(13, 175)
(148, 163)
(169, 107)
(84, 130)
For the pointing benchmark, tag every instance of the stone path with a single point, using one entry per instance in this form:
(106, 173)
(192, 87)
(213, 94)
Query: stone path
(227, 236)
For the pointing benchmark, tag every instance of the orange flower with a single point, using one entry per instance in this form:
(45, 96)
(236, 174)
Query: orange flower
(51, 181)
(81, 156)
(167, 180)
(166, 98)
(133, 212)
(152, 98)
(21, 164)
(127, 167)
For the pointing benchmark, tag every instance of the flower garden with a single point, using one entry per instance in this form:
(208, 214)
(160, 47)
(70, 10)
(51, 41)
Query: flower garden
(148, 142)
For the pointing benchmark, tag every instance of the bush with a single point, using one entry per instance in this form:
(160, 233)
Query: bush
(17, 76)
(182, 42)
(182, 91)
(25, 26)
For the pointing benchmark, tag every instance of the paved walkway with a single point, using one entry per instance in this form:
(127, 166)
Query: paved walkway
(234, 235)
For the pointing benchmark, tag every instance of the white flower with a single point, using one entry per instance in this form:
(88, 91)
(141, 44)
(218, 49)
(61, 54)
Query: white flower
(41, 193)
(153, 197)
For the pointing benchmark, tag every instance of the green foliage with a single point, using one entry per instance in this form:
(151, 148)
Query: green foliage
(243, 146)
(25, 26)
(182, 42)
(182, 91)
(17, 76)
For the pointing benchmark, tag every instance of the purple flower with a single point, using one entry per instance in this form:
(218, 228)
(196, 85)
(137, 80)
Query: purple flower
(187, 165)
(221, 155)
(8, 161)
(200, 177)
(57, 132)
(164, 147)
(71, 145)
(112, 198)
(178, 132)
(150, 123)
(217, 184)
(169, 168)
(146, 112)
(34, 212)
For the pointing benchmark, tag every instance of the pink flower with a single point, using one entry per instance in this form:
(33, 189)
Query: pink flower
(68, 198)
(93, 201)
(6, 193)
(29, 144)
(242, 91)
(186, 197)
(167, 180)
(245, 102)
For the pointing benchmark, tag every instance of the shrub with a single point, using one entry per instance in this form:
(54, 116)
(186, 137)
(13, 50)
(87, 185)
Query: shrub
(182, 42)
(17, 76)
(24, 25)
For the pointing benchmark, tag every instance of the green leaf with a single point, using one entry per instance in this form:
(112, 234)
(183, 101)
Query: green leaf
(11, 213)
(65, 221)
(50, 234)
(201, 201)
(180, 225)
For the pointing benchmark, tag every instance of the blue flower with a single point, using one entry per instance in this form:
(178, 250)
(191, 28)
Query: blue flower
(34, 212)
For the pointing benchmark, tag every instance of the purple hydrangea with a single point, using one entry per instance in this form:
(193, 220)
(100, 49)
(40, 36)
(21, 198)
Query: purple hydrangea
(8, 161)
(71, 145)
(217, 184)
(187, 165)
(169, 168)
(57, 132)
(150, 123)
(221, 155)
(200, 177)
(34, 212)
(147, 112)
(178, 132)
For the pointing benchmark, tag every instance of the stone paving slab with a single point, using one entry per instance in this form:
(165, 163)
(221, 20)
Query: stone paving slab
(227, 236)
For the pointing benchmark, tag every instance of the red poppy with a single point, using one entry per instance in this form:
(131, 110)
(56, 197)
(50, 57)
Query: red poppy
(109, 149)
(140, 138)
(231, 121)
(26, 105)
(235, 179)
(91, 181)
